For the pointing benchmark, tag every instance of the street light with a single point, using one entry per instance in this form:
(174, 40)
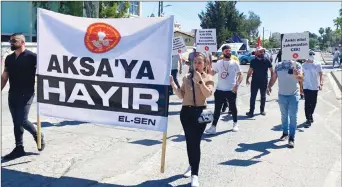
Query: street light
(160, 9)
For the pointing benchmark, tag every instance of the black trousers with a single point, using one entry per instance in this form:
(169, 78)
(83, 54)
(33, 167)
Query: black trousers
(310, 102)
(255, 87)
(174, 73)
(220, 98)
(19, 105)
(193, 135)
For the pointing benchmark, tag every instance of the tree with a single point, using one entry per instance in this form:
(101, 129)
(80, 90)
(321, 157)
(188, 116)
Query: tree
(313, 43)
(321, 32)
(227, 20)
(114, 9)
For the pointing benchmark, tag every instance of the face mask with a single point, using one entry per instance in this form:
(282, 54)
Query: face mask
(227, 56)
(13, 47)
(261, 55)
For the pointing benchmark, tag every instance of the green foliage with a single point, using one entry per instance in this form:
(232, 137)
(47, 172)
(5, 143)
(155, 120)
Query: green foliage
(227, 20)
(270, 43)
(114, 9)
(74, 8)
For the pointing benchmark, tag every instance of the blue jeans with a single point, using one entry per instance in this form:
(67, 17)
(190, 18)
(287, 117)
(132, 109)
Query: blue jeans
(335, 60)
(289, 109)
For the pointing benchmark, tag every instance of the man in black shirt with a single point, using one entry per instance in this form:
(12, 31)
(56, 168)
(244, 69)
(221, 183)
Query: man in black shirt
(278, 56)
(259, 68)
(20, 70)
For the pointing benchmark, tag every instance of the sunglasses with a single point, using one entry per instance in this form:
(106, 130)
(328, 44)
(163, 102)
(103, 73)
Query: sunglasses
(13, 41)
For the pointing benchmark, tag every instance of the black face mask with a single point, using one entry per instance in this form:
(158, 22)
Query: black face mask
(227, 56)
(13, 47)
(261, 55)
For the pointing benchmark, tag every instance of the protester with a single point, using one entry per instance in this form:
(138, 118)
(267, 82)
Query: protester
(176, 64)
(278, 56)
(340, 59)
(229, 79)
(193, 105)
(191, 59)
(20, 70)
(336, 56)
(259, 68)
(312, 72)
(289, 73)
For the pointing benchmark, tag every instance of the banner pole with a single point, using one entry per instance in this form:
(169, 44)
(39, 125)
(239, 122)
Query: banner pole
(39, 134)
(162, 168)
(39, 127)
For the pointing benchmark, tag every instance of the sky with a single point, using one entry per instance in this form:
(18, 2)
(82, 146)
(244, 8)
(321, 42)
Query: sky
(282, 17)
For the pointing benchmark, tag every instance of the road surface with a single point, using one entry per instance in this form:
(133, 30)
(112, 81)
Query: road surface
(93, 155)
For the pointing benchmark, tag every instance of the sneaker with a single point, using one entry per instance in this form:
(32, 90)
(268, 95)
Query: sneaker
(187, 173)
(211, 130)
(307, 124)
(263, 113)
(249, 114)
(194, 181)
(17, 152)
(42, 143)
(291, 142)
(284, 137)
(235, 127)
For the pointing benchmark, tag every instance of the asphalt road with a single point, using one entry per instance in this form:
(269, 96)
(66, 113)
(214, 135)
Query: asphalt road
(93, 155)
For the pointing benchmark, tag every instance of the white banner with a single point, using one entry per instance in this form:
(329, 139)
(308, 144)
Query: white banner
(108, 71)
(295, 46)
(206, 40)
(179, 46)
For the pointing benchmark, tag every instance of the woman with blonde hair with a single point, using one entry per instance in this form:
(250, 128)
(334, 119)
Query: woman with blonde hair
(196, 87)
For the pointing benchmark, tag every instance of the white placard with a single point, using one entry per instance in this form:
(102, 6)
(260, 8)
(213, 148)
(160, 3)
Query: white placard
(179, 46)
(295, 46)
(206, 40)
(108, 71)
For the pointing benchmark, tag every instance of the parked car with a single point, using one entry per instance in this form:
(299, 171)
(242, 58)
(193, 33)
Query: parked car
(246, 59)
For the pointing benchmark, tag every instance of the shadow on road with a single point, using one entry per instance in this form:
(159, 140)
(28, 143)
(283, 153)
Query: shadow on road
(27, 154)
(146, 142)
(239, 117)
(181, 138)
(10, 178)
(60, 124)
(262, 147)
(279, 128)
(237, 162)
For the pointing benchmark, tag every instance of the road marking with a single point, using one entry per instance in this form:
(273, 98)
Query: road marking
(333, 84)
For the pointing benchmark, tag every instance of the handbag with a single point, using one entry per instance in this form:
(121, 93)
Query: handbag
(207, 115)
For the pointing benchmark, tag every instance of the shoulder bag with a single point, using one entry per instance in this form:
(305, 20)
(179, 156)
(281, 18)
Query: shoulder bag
(207, 115)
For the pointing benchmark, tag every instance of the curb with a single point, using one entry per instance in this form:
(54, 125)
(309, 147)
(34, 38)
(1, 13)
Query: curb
(325, 63)
(336, 80)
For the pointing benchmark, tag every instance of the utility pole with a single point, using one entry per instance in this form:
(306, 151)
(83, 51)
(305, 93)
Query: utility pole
(160, 8)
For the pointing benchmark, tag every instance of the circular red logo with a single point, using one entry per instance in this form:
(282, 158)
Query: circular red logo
(206, 48)
(295, 55)
(101, 37)
(179, 51)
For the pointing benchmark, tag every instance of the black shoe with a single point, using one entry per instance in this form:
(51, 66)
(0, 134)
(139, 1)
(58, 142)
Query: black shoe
(42, 143)
(249, 114)
(301, 96)
(263, 113)
(307, 124)
(230, 112)
(291, 142)
(17, 152)
(284, 137)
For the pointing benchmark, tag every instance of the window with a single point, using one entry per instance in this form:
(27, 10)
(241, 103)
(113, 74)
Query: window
(134, 8)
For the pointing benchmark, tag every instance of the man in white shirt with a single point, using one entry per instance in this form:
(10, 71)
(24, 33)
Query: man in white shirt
(336, 56)
(229, 79)
(312, 72)
(176, 64)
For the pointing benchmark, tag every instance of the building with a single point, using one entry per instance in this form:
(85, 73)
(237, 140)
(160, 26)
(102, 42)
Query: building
(276, 36)
(189, 38)
(25, 21)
